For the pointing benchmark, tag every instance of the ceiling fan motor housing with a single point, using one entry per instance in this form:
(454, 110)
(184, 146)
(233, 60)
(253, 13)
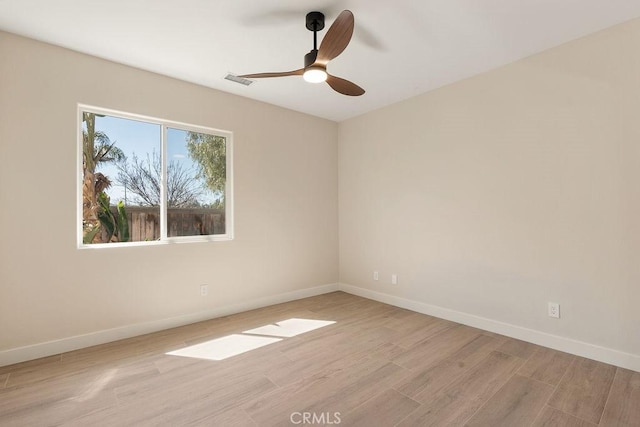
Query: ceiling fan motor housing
(310, 58)
(315, 21)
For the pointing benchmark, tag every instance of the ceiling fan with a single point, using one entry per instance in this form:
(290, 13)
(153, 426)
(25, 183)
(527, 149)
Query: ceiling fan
(315, 62)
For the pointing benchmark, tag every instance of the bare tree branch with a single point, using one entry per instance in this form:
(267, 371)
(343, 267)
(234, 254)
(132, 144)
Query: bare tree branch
(142, 177)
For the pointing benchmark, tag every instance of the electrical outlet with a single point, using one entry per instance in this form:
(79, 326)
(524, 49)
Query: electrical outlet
(204, 290)
(554, 310)
(376, 276)
(394, 279)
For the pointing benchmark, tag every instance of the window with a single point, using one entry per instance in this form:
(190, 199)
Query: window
(150, 180)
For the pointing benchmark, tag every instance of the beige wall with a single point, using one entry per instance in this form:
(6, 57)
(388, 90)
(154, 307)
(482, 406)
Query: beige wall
(497, 194)
(285, 201)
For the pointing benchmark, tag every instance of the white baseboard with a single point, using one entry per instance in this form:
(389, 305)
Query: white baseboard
(567, 345)
(50, 348)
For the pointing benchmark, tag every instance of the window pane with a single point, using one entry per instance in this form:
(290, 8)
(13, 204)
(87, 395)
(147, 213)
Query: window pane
(121, 180)
(196, 178)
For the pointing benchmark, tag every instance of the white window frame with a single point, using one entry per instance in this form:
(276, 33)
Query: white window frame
(164, 124)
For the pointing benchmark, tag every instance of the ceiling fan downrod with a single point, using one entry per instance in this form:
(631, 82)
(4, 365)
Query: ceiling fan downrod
(315, 23)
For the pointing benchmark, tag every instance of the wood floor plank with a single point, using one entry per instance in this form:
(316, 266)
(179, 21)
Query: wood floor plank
(202, 413)
(547, 365)
(202, 376)
(623, 405)
(103, 353)
(177, 405)
(423, 384)
(53, 407)
(3, 380)
(82, 371)
(404, 321)
(584, 389)
(106, 416)
(420, 330)
(292, 371)
(37, 370)
(330, 301)
(551, 417)
(92, 359)
(341, 392)
(518, 348)
(517, 403)
(233, 418)
(348, 398)
(31, 364)
(458, 401)
(341, 340)
(386, 409)
(436, 348)
(353, 310)
(376, 316)
(79, 386)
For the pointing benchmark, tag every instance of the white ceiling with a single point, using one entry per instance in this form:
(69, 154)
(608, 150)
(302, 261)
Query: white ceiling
(400, 48)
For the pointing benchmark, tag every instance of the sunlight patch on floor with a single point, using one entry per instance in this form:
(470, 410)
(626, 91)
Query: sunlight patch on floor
(225, 347)
(234, 344)
(290, 327)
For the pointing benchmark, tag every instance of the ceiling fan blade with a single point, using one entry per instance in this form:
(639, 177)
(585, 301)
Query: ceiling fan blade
(343, 86)
(280, 74)
(337, 38)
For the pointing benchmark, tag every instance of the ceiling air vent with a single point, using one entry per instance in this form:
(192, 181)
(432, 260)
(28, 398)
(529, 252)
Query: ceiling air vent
(237, 79)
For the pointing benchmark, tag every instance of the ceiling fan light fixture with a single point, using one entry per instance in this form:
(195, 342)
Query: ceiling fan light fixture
(315, 75)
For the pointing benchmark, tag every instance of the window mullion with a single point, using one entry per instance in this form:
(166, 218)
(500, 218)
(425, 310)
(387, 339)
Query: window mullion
(163, 186)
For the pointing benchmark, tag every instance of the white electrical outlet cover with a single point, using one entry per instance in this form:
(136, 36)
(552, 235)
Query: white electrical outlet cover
(554, 310)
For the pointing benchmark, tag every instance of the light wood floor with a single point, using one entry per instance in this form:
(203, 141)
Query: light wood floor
(376, 366)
